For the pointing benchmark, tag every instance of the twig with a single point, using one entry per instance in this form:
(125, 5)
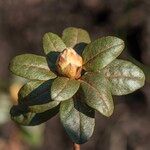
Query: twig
(76, 146)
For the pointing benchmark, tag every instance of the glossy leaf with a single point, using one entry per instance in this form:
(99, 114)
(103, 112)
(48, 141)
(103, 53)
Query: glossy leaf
(76, 38)
(52, 42)
(36, 95)
(27, 118)
(77, 119)
(101, 52)
(64, 88)
(32, 67)
(124, 77)
(96, 93)
(144, 68)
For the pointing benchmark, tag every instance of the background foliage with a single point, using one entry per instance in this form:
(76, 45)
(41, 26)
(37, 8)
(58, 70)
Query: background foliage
(23, 23)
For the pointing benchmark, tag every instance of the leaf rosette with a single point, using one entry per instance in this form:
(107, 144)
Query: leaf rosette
(89, 74)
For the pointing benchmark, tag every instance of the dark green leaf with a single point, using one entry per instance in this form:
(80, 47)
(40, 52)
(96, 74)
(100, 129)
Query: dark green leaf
(52, 42)
(124, 77)
(96, 93)
(77, 119)
(32, 67)
(75, 37)
(27, 118)
(101, 52)
(36, 95)
(35, 92)
(64, 88)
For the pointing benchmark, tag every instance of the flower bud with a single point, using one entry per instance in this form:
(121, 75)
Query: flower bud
(69, 63)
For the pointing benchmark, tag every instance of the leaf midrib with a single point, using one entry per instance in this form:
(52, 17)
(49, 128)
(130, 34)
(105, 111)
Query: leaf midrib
(91, 59)
(36, 66)
(40, 68)
(50, 40)
(75, 41)
(95, 90)
(63, 88)
(77, 33)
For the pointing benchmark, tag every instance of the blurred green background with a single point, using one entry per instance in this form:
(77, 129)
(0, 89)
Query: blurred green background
(22, 25)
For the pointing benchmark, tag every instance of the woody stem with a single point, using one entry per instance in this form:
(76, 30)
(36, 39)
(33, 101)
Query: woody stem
(76, 146)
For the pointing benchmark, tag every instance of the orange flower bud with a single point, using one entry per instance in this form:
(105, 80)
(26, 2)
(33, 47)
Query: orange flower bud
(69, 63)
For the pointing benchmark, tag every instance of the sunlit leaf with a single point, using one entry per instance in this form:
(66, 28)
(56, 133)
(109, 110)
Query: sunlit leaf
(101, 52)
(64, 88)
(52, 43)
(124, 77)
(96, 93)
(76, 38)
(73, 36)
(32, 67)
(145, 68)
(77, 119)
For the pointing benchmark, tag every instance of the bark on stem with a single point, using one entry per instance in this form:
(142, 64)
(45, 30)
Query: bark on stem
(76, 146)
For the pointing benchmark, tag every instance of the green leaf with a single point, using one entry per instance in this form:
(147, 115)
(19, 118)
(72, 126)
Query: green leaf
(76, 38)
(32, 67)
(27, 118)
(35, 92)
(145, 68)
(77, 119)
(32, 90)
(124, 76)
(96, 93)
(101, 52)
(36, 95)
(33, 136)
(43, 107)
(64, 88)
(52, 42)
(5, 104)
